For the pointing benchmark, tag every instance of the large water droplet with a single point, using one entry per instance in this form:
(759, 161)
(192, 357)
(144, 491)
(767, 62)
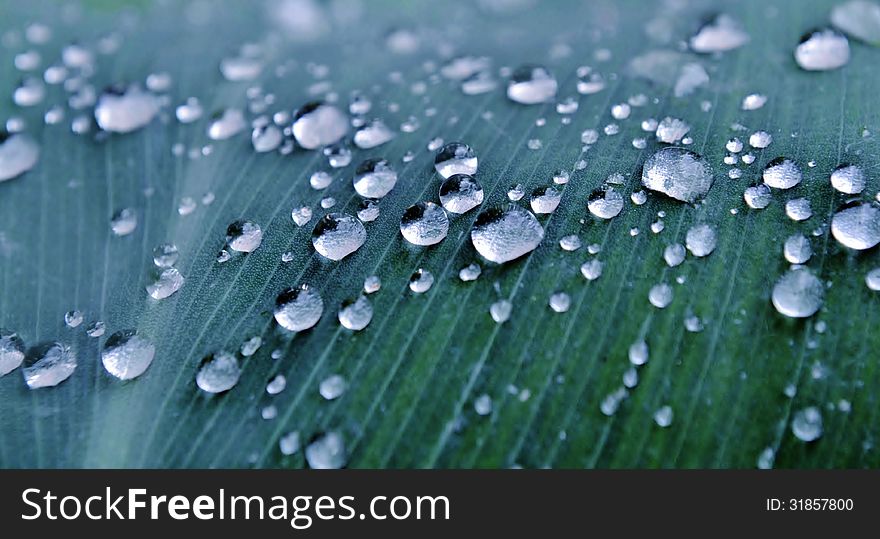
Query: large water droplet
(244, 236)
(421, 281)
(374, 178)
(857, 226)
(11, 351)
(424, 223)
(858, 18)
(504, 234)
(678, 173)
(218, 373)
(532, 84)
(701, 240)
(822, 50)
(317, 124)
(356, 315)
(298, 309)
(758, 196)
(226, 124)
(122, 110)
(806, 424)
(48, 364)
(127, 355)
(723, 33)
(848, 179)
(18, 154)
(455, 158)
(798, 293)
(461, 193)
(782, 173)
(327, 452)
(167, 282)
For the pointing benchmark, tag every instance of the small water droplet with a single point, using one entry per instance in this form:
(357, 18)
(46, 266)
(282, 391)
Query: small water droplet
(125, 109)
(872, 279)
(424, 223)
(123, 222)
(266, 138)
(327, 452)
(421, 281)
(456, 158)
(165, 255)
(782, 173)
(298, 309)
(166, 283)
(244, 236)
(289, 444)
(190, 111)
(545, 200)
(531, 84)
(250, 346)
(372, 284)
(96, 329)
(806, 424)
(605, 203)
(660, 295)
(317, 124)
(374, 178)
(571, 242)
(218, 373)
(591, 269)
(671, 130)
(11, 351)
(798, 209)
(797, 249)
(301, 215)
(471, 272)
(758, 197)
(48, 364)
(848, 179)
(373, 134)
(356, 315)
(722, 33)
(674, 254)
(460, 193)
(127, 355)
(18, 154)
(822, 49)
(753, 101)
(333, 387)
(226, 124)
(663, 416)
(560, 302)
(500, 311)
(798, 293)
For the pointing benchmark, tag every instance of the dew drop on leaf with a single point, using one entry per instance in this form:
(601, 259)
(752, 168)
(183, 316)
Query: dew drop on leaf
(127, 355)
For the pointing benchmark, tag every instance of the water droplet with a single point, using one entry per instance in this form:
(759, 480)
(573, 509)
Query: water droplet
(276, 385)
(123, 222)
(693, 324)
(822, 49)
(671, 130)
(18, 154)
(678, 173)
(424, 223)
(848, 179)
(531, 84)
(226, 124)
(289, 444)
(338, 155)
(327, 452)
(798, 293)
(638, 353)
(872, 280)
(782, 173)
(373, 134)
(611, 402)
(663, 416)
(760, 139)
(421, 281)
(301, 215)
(455, 158)
(241, 68)
(461, 193)
(560, 302)
(674, 254)
(516, 192)
(48, 364)
(571, 242)
(797, 249)
(758, 197)
(374, 178)
(165, 255)
(318, 124)
(858, 18)
(166, 283)
(753, 101)
(218, 373)
(806, 424)
(356, 315)
(333, 387)
(798, 209)
(11, 351)
(127, 355)
(723, 33)
(244, 236)
(545, 200)
(250, 346)
(73, 318)
(372, 284)
(96, 329)
(591, 270)
(701, 240)
(298, 309)
(190, 111)
(368, 210)
(125, 109)
(30, 92)
(660, 295)
(471, 272)
(605, 203)
(500, 311)
(857, 226)
(266, 138)
(504, 234)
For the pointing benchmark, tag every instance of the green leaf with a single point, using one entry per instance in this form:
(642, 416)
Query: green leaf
(415, 372)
